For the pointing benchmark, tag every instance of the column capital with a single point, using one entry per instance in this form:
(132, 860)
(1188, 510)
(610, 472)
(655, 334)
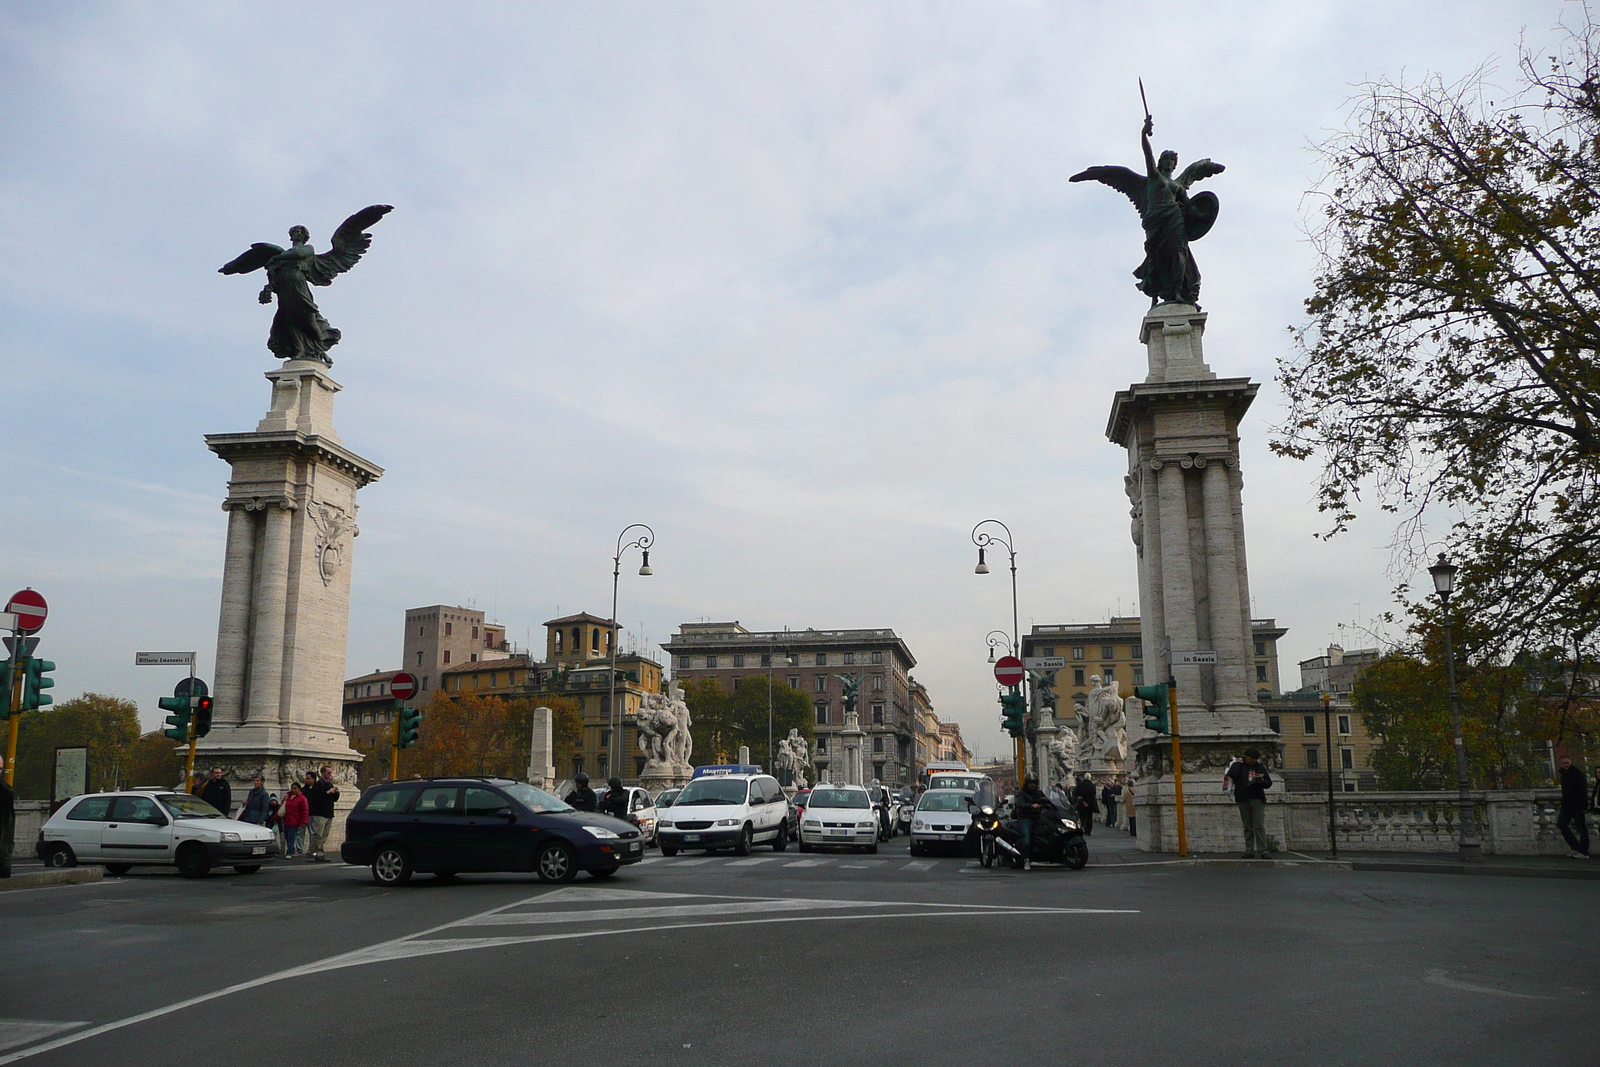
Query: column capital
(259, 503)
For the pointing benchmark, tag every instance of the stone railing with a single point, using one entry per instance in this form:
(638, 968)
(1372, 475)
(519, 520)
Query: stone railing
(1510, 821)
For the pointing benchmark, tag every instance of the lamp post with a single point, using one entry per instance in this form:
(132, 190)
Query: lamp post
(642, 542)
(998, 640)
(1444, 583)
(983, 539)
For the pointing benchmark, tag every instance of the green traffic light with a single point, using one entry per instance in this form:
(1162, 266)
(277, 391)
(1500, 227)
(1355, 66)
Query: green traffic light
(410, 718)
(34, 679)
(1013, 709)
(202, 715)
(1158, 716)
(178, 721)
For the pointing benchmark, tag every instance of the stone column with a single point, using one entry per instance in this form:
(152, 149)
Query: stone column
(233, 626)
(1228, 631)
(1177, 583)
(541, 755)
(1046, 733)
(851, 737)
(270, 602)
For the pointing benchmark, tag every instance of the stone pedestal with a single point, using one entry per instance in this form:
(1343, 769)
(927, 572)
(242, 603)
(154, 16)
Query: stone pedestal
(291, 504)
(851, 738)
(541, 751)
(658, 776)
(1044, 735)
(1180, 427)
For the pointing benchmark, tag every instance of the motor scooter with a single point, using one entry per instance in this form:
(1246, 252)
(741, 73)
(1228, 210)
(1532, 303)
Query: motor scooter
(1057, 838)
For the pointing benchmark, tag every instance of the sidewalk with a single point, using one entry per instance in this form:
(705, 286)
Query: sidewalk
(1113, 847)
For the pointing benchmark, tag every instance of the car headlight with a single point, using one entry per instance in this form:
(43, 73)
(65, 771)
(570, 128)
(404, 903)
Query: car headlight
(812, 824)
(666, 824)
(230, 837)
(918, 824)
(601, 832)
(865, 825)
(727, 822)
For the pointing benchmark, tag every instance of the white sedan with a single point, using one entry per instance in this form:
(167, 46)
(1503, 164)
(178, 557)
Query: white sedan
(943, 817)
(839, 815)
(142, 827)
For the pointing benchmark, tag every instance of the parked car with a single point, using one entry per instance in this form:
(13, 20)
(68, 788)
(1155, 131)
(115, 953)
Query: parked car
(799, 800)
(839, 815)
(943, 818)
(445, 826)
(665, 798)
(726, 809)
(640, 805)
(133, 828)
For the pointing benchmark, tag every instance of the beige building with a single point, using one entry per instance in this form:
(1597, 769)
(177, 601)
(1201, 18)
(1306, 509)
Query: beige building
(1299, 719)
(952, 746)
(441, 636)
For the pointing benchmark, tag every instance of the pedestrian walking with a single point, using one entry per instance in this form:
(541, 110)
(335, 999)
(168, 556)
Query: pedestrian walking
(1085, 804)
(1250, 782)
(324, 794)
(255, 806)
(217, 792)
(1574, 798)
(296, 813)
(1127, 807)
(1111, 800)
(8, 821)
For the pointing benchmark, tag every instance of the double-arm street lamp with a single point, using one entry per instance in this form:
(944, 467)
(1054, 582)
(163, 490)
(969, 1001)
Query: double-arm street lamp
(984, 539)
(1444, 583)
(642, 542)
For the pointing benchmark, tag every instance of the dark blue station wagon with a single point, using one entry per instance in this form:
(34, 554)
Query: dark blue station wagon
(446, 826)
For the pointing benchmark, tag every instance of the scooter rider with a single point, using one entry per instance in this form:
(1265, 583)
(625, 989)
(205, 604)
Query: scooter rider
(616, 801)
(581, 797)
(1028, 806)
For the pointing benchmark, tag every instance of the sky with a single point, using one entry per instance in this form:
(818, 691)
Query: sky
(801, 285)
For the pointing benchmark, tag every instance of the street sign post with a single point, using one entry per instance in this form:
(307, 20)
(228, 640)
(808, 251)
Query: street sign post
(191, 689)
(402, 687)
(163, 659)
(1045, 663)
(30, 609)
(1008, 670)
(1194, 659)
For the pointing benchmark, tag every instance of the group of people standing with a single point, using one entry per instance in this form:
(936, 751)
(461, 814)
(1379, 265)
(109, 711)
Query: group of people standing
(307, 809)
(1086, 802)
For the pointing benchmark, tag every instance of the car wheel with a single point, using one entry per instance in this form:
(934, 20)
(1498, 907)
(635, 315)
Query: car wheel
(193, 861)
(916, 849)
(391, 866)
(668, 850)
(805, 846)
(556, 863)
(118, 868)
(746, 840)
(872, 849)
(248, 868)
(603, 872)
(781, 842)
(1076, 854)
(60, 856)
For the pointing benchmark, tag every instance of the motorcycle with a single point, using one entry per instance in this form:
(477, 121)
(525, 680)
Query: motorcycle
(1057, 838)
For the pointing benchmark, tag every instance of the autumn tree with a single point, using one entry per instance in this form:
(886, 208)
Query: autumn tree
(107, 725)
(724, 720)
(1449, 364)
(477, 735)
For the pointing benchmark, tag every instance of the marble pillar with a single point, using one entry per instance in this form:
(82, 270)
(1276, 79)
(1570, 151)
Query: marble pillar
(1180, 427)
(851, 738)
(541, 752)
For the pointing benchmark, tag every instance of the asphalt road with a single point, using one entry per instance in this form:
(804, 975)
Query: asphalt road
(805, 959)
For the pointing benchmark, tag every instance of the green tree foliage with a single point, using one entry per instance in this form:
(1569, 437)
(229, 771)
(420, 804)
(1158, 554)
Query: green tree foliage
(476, 735)
(723, 720)
(1450, 359)
(156, 760)
(108, 725)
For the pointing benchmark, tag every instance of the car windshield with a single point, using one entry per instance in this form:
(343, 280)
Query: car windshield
(952, 781)
(838, 798)
(666, 799)
(943, 802)
(802, 798)
(712, 791)
(535, 800)
(184, 806)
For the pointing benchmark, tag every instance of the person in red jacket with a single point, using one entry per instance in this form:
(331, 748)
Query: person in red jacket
(296, 813)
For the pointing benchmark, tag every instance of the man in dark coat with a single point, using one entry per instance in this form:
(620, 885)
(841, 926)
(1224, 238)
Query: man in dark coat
(217, 792)
(615, 803)
(1574, 798)
(1250, 784)
(1084, 802)
(581, 797)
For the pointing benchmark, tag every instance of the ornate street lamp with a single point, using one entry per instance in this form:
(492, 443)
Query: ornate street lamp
(642, 542)
(1444, 583)
(998, 640)
(983, 539)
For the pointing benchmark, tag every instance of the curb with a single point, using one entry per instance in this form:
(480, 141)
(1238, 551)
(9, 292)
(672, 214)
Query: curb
(44, 879)
(1481, 870)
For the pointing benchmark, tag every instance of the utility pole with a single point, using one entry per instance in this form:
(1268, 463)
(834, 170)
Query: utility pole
(1327, 726)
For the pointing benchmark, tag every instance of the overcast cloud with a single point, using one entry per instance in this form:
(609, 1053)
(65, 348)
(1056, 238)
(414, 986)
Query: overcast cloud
(803, 286)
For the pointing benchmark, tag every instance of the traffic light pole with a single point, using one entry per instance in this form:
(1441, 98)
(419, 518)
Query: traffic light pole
(1177, 765)
(188, 770)
(394, 747)
(13, 705)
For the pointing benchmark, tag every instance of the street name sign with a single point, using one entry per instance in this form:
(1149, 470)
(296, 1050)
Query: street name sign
(1193, 659)
(163, 659)
(29, 608)
(1008, 671)
(1045, 663)
(402, 686)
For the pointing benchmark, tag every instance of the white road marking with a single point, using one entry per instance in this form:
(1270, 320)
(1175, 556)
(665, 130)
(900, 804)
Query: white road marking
(921, 865)
(752, 861)
(14, 1032)
(1439, 976)
(808, 863)
(740, 907)
(693, 863)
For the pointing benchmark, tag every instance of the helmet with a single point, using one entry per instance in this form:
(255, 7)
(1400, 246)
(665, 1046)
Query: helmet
(580, 778)
(1030, 782)
(614, 782)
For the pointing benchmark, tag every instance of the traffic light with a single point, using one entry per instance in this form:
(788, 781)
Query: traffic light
(178, 721)
(202, 715)
(9, 680)
(1157, 716)
(409, 718)
(1013, 708)
(35, 677)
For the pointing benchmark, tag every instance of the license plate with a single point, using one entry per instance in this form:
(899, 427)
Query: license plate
(691, 837)
(259, 850)
(839, 833)
(633, 848)
(949, 837)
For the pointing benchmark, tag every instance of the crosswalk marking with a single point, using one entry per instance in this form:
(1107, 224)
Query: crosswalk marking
(920, 865)
(808, 863)
(752, 861)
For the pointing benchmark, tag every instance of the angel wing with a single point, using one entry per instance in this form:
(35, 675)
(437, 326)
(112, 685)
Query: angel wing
(349, 243)
(253, 259)
(1199, 170)
(1123, 180)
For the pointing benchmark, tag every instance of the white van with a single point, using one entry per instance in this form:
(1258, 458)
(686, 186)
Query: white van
(726, 807)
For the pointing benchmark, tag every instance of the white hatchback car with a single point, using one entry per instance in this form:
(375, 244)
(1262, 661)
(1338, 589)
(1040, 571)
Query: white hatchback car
(152, 827)
(726, 807)
(839, 815)
(943, 817)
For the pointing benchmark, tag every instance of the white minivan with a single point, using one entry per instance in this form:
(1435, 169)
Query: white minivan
(733, 806)
(139, 827)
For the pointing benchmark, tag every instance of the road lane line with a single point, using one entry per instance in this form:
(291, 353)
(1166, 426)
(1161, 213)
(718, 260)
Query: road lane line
(665, 911)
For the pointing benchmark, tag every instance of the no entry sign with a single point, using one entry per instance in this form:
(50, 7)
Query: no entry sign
(402, 686)
(30, 609)
(1008, 671)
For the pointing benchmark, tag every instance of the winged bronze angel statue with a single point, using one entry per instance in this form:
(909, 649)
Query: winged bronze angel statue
(1171, 218)
(298, 329)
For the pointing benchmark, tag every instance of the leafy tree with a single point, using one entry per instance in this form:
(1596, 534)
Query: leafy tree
(468, 734)
(108, 725)
(723, 720)
(155, 759)
(1450, 359)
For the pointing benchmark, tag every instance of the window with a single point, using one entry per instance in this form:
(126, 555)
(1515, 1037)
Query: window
(1347, 759)
(1261, 648)
(555, 636)
(822, 659)
(138, 809)
(1344, 724)
(511, 677)
(877, 714)
(1136, 652)
(391, 799)
(766, 659)
(577, 766)
(794, 681)
(1312, 763)
(594, 640)
(822, 714)
(683, 662)
(605, 738)
(366, 718)
(1311, 725)
(1275, 724)
(877, 657)
(447, 655)
(424, 683)
(877, 769)
(577, 639)
(877, 746)
(420, 632)
(1261, 672)
(474, 681)
(494, 679)
(822, 745)
(1077, 652)
(849, 659)
(1138, 676)
(1350, 787)
(447, 627)
(472, 657)
(735, 680)
(877, 683)
(1108, 673)
(711, 661)
(436, 801)
(419, 659)
(1077, 676)
(474, 633)
(822, 683)
(1108, 651)
(738, 660)
(482, 801)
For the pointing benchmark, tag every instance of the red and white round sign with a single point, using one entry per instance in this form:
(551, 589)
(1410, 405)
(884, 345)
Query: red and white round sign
(402, 686)
(1008, 670)
(30, 609)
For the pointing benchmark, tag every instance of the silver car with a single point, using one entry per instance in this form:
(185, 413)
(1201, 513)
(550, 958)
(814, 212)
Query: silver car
(943, 818)
(152, 827)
